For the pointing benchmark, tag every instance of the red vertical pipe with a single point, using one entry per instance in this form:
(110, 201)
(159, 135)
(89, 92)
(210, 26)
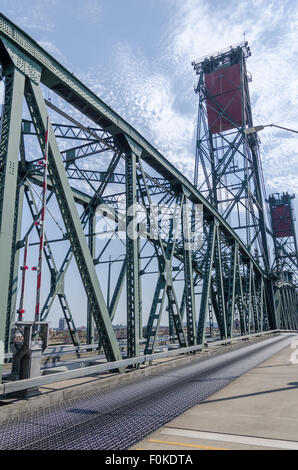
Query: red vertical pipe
(24, 268)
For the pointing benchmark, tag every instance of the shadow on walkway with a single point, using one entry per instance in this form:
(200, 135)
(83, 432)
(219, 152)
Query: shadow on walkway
(293, 387)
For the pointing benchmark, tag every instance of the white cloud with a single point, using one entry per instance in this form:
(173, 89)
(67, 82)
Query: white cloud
(90, 10)
(143, 93)
(196, 29)
(37, 16)
(157, 96)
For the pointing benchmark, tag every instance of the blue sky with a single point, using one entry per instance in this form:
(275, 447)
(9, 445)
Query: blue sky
(136, 55)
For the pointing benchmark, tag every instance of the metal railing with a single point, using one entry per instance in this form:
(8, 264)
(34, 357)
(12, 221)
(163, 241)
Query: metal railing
(26, 384)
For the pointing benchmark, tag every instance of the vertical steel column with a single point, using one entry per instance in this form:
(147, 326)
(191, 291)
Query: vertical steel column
(294, 306)
(140, 292)
(255, 303)
(188, 279)
(285, 319)
(206, 283)
(9, 153)
(270, 311)
(249, 307)
(262, 305)
(173, 307)
(220, 286)
(14, 267)
(241, 302)
(289, 309)
(171, 324)
(277, 305)
(92, 248)
(231, 292)
(295, 310)
(132, 254)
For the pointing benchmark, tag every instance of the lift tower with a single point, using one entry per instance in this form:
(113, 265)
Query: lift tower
(227, 167)
(285, 264)
(284, 236)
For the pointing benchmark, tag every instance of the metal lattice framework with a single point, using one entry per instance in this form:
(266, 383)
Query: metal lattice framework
(100, 166)
(228, 170)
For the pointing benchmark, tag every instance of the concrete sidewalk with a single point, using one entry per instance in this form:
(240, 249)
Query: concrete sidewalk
(259, 410)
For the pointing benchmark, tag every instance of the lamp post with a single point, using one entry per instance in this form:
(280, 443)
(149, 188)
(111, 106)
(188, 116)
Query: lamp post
(251, 130)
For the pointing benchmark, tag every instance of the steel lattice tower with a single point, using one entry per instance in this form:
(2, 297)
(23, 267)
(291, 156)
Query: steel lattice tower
(285, 264)
(227, 167)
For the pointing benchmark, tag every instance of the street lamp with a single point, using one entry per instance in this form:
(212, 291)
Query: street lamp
(251, 130)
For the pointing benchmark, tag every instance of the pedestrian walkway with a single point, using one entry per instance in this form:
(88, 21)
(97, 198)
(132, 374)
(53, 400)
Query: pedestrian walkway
(257, 411)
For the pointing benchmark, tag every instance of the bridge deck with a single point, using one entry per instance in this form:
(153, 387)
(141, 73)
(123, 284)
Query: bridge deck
(125, 414)
(257, 411)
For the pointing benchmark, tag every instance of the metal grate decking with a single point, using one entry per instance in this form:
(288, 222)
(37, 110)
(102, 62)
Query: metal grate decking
(122, 416)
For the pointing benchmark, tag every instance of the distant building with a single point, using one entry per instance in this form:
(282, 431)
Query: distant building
(120, 331)
(62, 324)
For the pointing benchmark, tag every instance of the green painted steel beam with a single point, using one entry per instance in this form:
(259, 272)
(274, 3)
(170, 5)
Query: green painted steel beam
(188, 296)
(9, 156)
(132, 256)
(232, 291)
(206, 284)
(92, 248)
(14, 268)
(220, 285)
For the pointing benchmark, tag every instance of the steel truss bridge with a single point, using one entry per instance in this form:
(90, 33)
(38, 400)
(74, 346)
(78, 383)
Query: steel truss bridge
(101, 169)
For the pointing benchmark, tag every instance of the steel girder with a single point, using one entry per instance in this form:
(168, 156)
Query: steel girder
(132, 254)
(9, 198)
(92, 246)
(14, 269)
(188, 298)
